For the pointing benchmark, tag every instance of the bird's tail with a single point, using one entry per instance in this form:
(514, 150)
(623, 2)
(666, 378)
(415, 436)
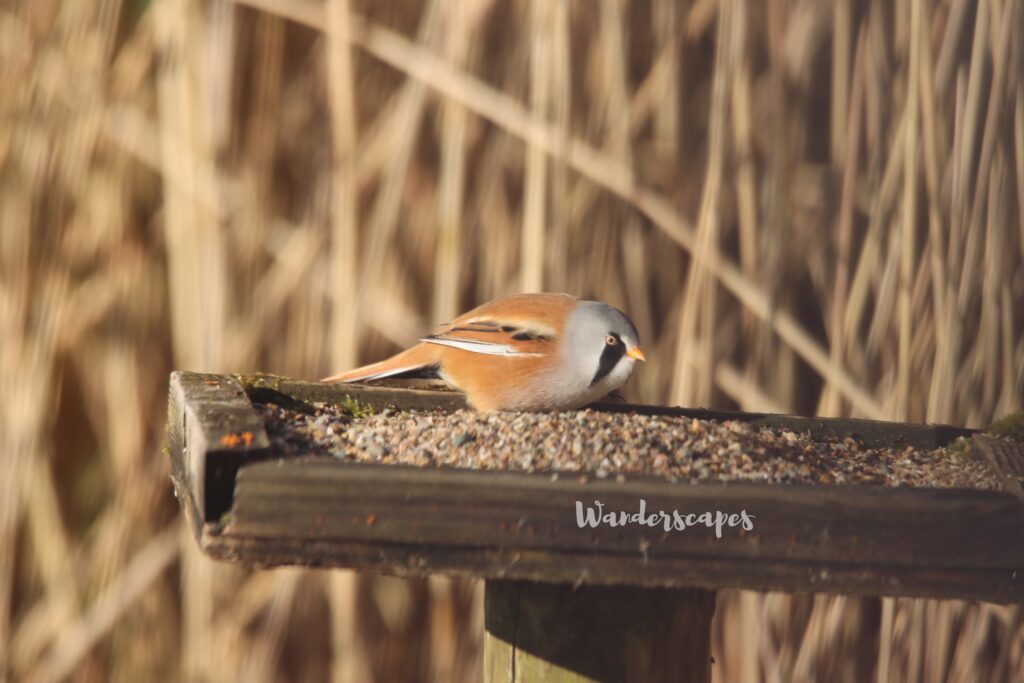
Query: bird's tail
(418, 358)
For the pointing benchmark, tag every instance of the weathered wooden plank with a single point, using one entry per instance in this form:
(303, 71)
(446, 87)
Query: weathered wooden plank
(900, 527)
(558, 633)
(213, 430)
(321, 512)
(1006, 458)
(408, 560)
(962, 544)
(397, 394)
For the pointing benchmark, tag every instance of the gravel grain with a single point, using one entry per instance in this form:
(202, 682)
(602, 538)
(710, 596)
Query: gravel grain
(619, 445)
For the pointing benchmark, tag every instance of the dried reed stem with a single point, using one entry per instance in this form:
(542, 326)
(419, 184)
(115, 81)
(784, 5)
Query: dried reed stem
(531, 258)
(344, 243)
(79, 637)
(186, 186)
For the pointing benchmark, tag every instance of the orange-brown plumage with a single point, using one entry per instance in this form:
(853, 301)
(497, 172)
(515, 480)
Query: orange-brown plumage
(512, 353)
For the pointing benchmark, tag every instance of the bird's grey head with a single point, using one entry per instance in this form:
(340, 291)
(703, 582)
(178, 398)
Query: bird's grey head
(602, 346)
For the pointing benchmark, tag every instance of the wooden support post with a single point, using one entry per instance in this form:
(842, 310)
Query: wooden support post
(549, 632)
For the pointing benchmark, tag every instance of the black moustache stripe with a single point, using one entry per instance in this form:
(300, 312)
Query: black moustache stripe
(610, 357)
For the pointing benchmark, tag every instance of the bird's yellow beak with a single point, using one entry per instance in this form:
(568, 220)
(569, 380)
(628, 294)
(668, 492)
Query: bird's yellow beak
(635, 352)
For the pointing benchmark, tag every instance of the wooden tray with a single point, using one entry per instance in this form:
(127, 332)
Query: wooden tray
(246, 505)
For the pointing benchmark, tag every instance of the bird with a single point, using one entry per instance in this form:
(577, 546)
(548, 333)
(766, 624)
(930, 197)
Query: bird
(526, 352)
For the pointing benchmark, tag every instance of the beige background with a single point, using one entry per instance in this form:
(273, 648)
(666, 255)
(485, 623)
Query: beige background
(805, 206)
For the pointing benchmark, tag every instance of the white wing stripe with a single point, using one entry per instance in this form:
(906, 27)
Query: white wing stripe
(473, 346)
(387, 373)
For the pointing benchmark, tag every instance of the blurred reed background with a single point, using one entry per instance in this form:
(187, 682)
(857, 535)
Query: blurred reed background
(805, 206)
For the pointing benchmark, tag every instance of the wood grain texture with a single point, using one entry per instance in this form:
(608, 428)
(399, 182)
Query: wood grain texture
(858, 540)
(400, 394)
(212, 431)
(558, 633)
(1005, 457)
(914, 528)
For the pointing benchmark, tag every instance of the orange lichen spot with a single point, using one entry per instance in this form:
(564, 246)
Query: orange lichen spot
(233, 440)
(230, 440)
(371, 519)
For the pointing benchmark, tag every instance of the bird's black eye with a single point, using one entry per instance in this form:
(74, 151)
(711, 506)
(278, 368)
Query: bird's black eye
(611, 340)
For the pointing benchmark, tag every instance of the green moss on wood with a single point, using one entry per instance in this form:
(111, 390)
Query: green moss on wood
(265, 388)
(358, 409)
(1010, 426)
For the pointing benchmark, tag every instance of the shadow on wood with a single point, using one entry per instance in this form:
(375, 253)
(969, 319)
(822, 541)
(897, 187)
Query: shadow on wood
(552, 633)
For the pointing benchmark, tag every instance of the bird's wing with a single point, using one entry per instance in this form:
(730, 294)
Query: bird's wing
(540, 315)
(518, 326)
(493, 338)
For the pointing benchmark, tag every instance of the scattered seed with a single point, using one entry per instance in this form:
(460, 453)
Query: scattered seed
(616, 445)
